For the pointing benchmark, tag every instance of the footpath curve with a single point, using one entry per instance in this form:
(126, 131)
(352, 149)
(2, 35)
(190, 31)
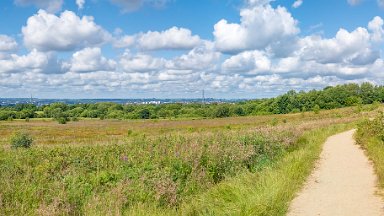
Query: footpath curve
(343, 183)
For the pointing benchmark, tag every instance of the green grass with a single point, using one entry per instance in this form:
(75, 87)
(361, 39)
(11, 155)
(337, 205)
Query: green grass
(164, 171)
(267, 192)
(229, 166)
(370, 135)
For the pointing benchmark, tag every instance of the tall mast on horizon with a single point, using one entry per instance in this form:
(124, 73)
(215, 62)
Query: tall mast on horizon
(203, 96)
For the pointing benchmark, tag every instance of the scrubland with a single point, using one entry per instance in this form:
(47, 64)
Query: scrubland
(232, 166)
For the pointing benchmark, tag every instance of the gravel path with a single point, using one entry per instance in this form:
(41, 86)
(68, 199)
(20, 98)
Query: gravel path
(343, 183)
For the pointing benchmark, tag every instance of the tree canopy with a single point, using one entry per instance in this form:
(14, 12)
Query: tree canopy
(330, 97)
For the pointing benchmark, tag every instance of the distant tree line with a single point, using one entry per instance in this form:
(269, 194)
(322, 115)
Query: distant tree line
(290, 102)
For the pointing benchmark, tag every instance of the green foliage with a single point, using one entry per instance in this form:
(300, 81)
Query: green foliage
(6, 115)
(316, 109)
(290, 102)
(370, 135)
(147, 165)
(267, 191)
(21, 140)
(144, 114)
(59, 115)
(74, 119)
(221, 111)
(372, 128)
(62, 120)
(164, 171)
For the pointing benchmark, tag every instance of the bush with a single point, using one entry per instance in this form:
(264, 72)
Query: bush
(62, 120)
(372, 128)
(74, 119)
(144, 114)
(221, 112)
(316, 109)
(22, 140)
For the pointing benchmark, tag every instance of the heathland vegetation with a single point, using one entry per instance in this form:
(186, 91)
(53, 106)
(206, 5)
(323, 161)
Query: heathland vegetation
(370, 135)
(251, 165)
(240, 165)
(291, 102)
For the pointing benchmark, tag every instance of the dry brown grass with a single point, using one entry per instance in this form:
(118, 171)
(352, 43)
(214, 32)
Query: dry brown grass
(93, 131)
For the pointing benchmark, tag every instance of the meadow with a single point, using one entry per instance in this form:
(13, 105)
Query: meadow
(239, 165)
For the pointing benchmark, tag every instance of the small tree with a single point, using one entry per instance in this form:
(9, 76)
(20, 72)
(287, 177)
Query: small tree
(62, 120)
(21, 140)
(222, 111)
(60, 116)
(316, 109)
(144, 114)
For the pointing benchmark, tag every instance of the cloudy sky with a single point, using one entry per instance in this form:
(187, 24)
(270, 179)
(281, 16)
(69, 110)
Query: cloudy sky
(176, 48)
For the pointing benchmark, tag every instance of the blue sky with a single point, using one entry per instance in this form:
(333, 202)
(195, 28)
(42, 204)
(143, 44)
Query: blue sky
(176, 48)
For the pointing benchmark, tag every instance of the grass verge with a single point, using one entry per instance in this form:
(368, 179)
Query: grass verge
(370, 135)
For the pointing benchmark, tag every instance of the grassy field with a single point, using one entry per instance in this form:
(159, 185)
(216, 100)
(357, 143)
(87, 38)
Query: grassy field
(192, 167)
(95, 131)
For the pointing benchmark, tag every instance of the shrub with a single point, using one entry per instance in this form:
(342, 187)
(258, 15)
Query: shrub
(62, 120)
(74, 119)
(61, 117)
(316, 109)
(296, 110)
(221, 112)
(372, 128)
(144, 114)
(21, 139)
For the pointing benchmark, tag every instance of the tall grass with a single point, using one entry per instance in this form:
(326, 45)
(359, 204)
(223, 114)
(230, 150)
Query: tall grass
(370, 135)
(269, 191)
(163, 170)
(184, 172)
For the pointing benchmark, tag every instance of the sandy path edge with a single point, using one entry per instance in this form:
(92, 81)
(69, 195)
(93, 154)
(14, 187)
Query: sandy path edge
(343, 182)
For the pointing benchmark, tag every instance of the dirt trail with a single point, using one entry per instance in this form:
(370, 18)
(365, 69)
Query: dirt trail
(343, 183)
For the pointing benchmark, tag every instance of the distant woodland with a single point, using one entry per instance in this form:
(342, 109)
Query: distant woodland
(290, 102)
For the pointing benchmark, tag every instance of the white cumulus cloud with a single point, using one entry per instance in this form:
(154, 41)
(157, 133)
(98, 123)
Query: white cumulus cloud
(376, 27)
(34, 61)
(261, 25)
(124, 41)
(48, 32)
(262, 55)
(7, 43)
(89, 60)
(202, 57)
(349, 55)
(344, 47)
(140, 62)
(251, 62)
(173, 38)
